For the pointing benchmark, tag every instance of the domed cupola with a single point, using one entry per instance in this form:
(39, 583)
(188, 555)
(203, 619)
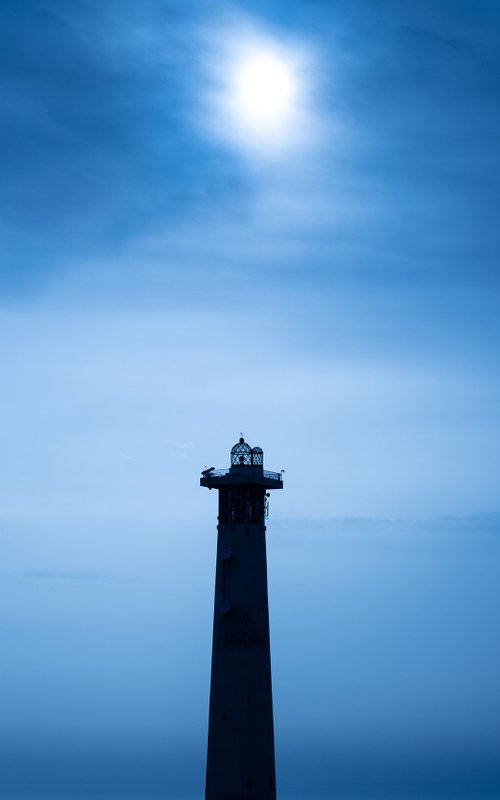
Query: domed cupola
(241, 454)
(257, 456)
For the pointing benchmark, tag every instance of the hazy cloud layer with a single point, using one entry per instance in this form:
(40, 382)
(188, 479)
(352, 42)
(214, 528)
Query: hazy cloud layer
(104, 136)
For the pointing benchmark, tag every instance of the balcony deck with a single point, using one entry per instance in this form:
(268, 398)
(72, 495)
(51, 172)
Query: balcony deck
(242, 474)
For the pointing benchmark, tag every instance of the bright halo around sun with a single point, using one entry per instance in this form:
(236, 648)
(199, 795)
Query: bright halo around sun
(264, 92)
(257, 97)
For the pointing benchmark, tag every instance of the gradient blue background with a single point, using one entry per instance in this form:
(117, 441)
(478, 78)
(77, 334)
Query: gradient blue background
(161, 291)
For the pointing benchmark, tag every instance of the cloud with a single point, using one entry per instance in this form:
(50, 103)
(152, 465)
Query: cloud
(96, 145)
(106, 148)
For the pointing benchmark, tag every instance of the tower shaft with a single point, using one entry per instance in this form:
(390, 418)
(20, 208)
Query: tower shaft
(240, 759)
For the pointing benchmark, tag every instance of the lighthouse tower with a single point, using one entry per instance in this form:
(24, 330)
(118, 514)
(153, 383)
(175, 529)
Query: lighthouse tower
(240, 761)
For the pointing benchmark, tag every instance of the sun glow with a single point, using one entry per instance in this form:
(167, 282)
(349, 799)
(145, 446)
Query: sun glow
(264, 92)
(257, 96)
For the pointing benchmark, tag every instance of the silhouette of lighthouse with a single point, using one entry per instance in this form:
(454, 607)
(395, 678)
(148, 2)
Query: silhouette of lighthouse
(240, 759)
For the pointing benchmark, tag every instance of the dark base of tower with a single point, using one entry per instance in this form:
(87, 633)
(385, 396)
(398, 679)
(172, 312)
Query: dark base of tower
(226, 786)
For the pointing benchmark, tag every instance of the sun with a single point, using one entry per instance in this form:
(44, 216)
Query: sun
(256, 93)
(264, 92)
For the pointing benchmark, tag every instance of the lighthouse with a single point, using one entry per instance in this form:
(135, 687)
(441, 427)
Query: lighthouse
(240, 758)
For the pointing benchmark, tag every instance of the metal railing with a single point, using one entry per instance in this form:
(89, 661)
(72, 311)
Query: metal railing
(275, 476)
(219, 473)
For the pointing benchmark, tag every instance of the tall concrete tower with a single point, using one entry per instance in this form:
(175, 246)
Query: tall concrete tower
(240, 761)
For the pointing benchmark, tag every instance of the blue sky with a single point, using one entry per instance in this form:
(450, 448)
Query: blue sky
(167, 280)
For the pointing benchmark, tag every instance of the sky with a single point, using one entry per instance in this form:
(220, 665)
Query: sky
(179, 264)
